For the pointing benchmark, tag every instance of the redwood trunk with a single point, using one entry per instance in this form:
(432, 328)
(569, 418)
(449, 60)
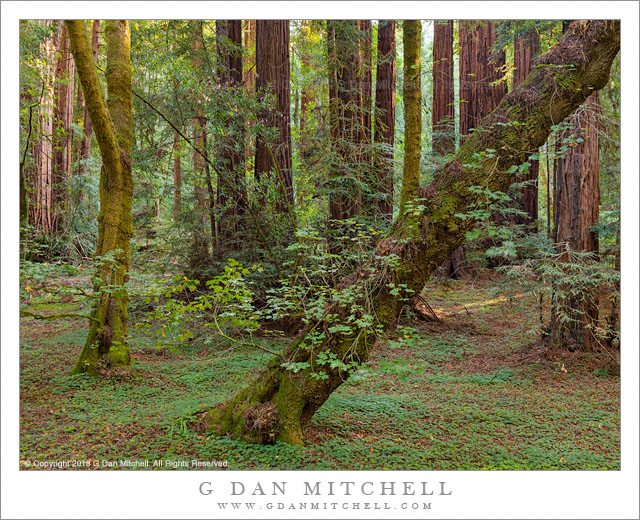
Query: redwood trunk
(231, 187)
(273, 76)
(62, 132)
(576, 210)
(344, 99)
(199, 254)
(385, 115)
(364, 117)
(443, 108)
(526, 48)
(478, 93)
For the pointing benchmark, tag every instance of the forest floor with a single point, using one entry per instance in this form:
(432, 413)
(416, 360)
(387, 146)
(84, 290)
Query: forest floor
(475, 390)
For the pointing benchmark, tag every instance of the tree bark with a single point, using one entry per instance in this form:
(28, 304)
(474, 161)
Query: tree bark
(385, 115)
(479, 94)
(199, 254)
(478, 73)
(576, 210)
(364, 117)
(62, 132)
(112, 122)
(273, 76)
(85, 144)
(305, 95)
(279, 403)
(344, 99)
(412, 95)
(443, 110)
(43, 149)
(231, 185)
(177, 175)
(443, 115)
(526, 48)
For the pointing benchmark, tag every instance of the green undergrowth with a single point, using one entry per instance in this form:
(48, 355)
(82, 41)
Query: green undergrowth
(467, 393)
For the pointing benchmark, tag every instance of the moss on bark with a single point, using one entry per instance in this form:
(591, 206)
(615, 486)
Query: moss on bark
(112, 124)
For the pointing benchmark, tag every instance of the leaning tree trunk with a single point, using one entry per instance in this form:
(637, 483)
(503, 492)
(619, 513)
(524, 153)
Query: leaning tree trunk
(279, 403)
(112, 124)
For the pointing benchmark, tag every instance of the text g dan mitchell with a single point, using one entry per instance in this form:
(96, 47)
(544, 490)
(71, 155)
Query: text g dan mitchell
(319, 488)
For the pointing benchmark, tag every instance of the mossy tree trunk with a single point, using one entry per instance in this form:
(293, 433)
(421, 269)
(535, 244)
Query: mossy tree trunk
(279, 403)
(112, 123)
(85, 143)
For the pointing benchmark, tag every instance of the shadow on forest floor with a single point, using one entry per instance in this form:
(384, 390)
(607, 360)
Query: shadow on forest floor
(475, 390)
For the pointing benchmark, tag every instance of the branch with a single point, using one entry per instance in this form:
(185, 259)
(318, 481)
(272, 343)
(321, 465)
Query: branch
(56, 316)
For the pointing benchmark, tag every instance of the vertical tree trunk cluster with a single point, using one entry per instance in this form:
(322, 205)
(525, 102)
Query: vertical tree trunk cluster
(350, 119)
(525, 49)
(385, 115)
(41, 206)
(576, 209)
(62, 132)
(305, 94)
(112, 122)
(273, 78)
